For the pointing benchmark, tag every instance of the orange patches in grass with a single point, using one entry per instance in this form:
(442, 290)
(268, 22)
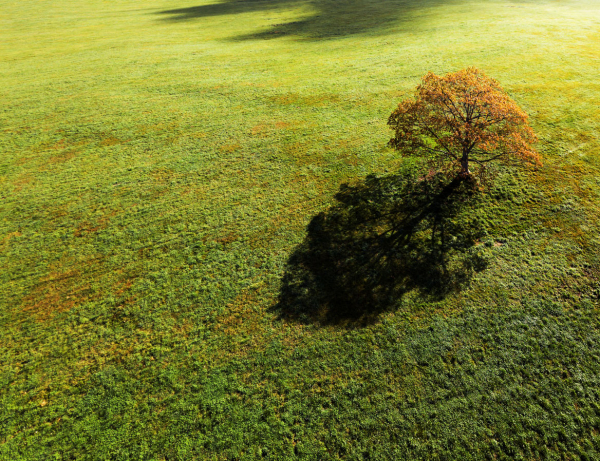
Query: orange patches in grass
(23, 160)
(58, 145)
(229, 148)
(62, 157)
(71, 283)
(6, 239)
(258, 129)
(123, 286)
(110, 141)
(56, 292)
(229, 238)
(86, 227)
(262, 128)
(21, 182)
(183, 328)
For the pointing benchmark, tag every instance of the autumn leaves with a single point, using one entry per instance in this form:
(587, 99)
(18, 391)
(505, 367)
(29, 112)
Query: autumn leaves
(461, 122)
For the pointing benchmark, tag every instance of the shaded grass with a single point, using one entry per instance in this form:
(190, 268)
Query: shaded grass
(386, 237)
(317, 20)
(157, 176)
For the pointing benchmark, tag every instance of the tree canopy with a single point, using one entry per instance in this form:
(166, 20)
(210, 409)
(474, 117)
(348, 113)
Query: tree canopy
(460, 119)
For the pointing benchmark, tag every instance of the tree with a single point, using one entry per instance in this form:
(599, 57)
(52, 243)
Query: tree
(462, 118)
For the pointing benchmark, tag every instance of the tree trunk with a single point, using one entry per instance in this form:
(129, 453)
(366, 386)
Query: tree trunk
(464, 164)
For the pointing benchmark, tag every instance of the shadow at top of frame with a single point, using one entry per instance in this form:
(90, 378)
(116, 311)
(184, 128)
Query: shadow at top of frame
(385, 237)
(331, 18)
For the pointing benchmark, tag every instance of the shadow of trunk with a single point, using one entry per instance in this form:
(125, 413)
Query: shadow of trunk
(385, 237)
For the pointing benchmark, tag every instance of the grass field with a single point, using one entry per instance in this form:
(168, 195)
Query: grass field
(182, 185)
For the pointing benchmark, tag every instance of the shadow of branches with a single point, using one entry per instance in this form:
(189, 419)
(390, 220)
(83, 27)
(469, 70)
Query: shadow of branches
(385, 237)
(329, 18)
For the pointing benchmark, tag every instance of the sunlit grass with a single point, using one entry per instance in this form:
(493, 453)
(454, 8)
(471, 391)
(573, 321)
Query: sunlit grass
(160, 163)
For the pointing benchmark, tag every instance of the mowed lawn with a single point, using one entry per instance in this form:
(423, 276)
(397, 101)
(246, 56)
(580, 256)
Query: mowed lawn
(164, 295)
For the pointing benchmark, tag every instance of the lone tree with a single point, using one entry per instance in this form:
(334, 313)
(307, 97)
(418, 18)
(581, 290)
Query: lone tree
(462, 118)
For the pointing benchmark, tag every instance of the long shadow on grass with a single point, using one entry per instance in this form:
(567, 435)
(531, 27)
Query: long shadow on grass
(329, 18)
(385, 237)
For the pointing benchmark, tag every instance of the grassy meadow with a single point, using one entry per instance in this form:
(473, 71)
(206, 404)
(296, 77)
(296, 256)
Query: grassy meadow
(182, 193)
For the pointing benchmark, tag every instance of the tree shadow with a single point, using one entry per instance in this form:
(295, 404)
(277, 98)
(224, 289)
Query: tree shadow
(385, 237)
(329, 18)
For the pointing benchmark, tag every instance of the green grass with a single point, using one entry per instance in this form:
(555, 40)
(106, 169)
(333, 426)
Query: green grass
(162, 163)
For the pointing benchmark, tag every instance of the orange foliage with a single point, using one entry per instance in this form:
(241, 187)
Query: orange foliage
(462, 118)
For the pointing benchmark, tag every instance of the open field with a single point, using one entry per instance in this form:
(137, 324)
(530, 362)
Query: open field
(179, 254)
